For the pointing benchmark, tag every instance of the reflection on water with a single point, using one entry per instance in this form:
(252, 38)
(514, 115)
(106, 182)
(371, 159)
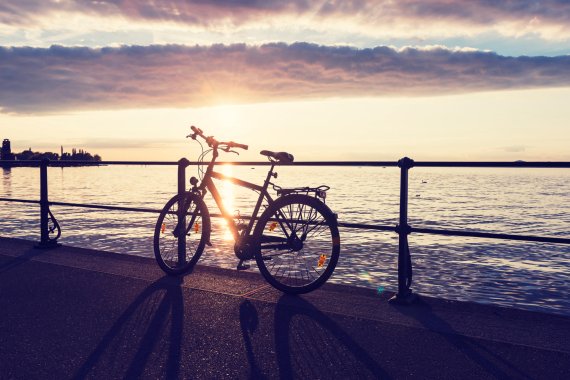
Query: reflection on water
(527, 275)
(6, 183)
(227, 193)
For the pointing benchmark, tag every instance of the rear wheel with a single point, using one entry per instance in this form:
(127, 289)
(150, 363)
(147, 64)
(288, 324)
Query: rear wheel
(174, 255)
(298, 243)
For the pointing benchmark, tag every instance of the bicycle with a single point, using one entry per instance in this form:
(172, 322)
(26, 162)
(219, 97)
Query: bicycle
(295, 241)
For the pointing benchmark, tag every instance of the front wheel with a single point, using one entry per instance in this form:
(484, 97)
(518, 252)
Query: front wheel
(177, 255)
(298, 243)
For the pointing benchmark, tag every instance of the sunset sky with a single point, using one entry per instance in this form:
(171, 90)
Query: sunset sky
(347, 80)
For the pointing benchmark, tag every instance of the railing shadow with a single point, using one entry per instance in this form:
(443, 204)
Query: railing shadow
(14, 262)
(156, 310)
(474, 351)
(309, 344)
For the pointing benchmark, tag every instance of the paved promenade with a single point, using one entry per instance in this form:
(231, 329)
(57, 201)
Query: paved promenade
(77, 313)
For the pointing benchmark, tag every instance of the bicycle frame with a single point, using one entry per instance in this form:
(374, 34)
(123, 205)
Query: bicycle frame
(208, 184)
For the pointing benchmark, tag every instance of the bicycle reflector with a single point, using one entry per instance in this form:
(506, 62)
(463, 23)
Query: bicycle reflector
(196, 227)
(272, 226)
(163, 228)
(321, 261)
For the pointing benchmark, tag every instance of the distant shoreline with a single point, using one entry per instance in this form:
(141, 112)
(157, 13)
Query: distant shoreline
(58, 164)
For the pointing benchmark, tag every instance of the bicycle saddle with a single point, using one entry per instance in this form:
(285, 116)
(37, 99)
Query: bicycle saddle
(282, 157)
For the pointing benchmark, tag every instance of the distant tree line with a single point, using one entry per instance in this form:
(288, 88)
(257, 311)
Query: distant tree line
(75, 155)
(29, 155)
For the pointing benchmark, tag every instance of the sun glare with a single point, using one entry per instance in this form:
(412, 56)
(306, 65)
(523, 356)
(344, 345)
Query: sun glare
(227, 192)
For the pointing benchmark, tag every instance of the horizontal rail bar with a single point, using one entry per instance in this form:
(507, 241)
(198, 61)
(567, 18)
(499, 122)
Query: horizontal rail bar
(104, 207)
(490, 235)
(149, 163)
(85, 163)
(358, 226)
(497, 164)
(19, 200)
(363, 226)
(451, 164)
(194, 163)
(316, 163)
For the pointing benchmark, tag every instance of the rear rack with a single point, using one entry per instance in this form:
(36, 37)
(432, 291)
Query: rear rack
(318, 192)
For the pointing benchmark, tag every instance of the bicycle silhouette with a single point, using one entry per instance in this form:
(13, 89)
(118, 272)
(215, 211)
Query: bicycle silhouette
(295, 241)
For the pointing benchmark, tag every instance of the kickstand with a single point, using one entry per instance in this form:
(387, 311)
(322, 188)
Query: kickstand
(242, 266)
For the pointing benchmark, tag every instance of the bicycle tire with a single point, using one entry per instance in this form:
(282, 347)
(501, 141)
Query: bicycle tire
(166, 242)
(287, 265)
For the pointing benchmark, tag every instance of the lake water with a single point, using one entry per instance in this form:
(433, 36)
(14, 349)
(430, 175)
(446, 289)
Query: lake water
(533, 276)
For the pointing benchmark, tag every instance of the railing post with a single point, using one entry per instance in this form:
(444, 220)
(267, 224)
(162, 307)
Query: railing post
(182, 164)
(404, 295)
(45, 214)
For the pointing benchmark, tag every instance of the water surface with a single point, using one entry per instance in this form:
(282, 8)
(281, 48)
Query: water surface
(533, 276)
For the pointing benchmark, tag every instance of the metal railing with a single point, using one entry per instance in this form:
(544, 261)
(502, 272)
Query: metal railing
(49, 225)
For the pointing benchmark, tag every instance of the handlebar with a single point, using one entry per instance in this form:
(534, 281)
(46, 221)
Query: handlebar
(197, 131)
(213, 143)
(237, 145)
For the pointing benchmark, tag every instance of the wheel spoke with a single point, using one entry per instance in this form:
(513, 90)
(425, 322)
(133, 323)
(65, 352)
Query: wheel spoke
(317, 228)
(166, 240)
(296, 269)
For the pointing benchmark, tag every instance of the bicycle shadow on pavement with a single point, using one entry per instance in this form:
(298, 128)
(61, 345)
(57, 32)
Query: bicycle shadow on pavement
(311, 344)
(249, 322)
(148, 331)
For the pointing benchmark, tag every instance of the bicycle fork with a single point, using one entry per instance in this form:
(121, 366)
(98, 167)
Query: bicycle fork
(180, 225)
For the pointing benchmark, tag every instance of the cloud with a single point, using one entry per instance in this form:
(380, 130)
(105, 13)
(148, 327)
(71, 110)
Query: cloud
(522, 16)
(34, 80)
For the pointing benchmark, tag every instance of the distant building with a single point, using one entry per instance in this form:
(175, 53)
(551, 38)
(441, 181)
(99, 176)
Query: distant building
(6, 152)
